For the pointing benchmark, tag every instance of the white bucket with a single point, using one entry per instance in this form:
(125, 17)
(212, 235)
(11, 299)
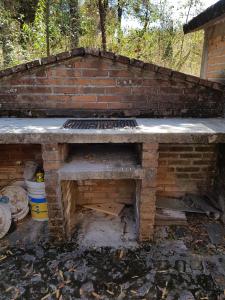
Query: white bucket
(36, 195)
(38, 202)
(35, 189)
(35, 185)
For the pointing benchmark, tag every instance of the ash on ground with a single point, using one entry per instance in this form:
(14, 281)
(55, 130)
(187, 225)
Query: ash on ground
(181, 263)
(96, 229)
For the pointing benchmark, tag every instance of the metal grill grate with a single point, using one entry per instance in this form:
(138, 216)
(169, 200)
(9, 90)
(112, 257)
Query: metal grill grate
(99, 124)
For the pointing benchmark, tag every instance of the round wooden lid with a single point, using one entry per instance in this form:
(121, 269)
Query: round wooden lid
(18, 201)
(5, 219)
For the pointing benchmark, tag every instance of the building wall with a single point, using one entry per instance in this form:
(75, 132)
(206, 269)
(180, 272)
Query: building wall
(93, 86)
(213, 64)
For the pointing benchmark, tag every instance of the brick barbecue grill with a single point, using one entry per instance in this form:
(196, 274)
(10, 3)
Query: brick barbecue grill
(100, 124)
(167, 157)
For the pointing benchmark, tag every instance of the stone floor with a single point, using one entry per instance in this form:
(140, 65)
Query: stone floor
(181, 263)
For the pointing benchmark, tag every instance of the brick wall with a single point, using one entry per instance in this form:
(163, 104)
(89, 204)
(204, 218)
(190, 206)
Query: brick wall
(96, 86)
(101, 191)
(186, 168)
(13, 158)
(215, 53)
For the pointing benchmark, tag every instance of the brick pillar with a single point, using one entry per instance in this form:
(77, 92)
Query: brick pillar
(54, 156)
(147, 197)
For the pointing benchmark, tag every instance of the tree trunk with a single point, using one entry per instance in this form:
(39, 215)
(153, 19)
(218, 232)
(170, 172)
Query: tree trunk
(102, 7)
(119, 19)
(74, 23)
(182, 42)
(146, 19)
(5, 38)
(6, 49)
(47, 27)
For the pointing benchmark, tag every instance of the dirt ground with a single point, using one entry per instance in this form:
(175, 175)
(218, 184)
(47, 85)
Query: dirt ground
(181, 263)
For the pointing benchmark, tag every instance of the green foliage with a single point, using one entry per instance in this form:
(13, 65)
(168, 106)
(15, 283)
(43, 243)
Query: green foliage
(35, 34)
(157, 38)
(9, 37)
(90, 34)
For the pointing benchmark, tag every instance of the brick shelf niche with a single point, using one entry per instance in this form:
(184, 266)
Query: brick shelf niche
(102, 162)
(98, 173)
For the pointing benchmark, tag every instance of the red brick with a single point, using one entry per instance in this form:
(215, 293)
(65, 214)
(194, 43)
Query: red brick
(66, 90)
(122, 59)
(94, 73)
(108, 99)
(84, 98)
(109, 55)
(50, 147)
(78, 51)
(150, 67)
(34, 90)
(120, 73)
(63, 55)
(93, 105)
(51, 165)
(118, 90)
(132, 82)
(34, 63)
(136, 63)
(93, 90)
(119, 105)
(102, 82)
(178, 75)
(51, 156)
(63, 72)
(48, 60)
(150, 147)
(164, 71)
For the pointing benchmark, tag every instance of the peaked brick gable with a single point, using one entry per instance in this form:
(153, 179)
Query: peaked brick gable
(88, 82)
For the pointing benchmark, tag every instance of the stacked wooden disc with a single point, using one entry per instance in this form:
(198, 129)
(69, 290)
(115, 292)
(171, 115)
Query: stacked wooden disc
(16, 207)
(5, 219)
(18, 201)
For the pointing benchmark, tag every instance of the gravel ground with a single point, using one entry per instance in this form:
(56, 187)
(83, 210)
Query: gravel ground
(180, 264)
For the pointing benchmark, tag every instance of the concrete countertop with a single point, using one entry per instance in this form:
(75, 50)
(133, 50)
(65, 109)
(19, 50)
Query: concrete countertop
(49, 130)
